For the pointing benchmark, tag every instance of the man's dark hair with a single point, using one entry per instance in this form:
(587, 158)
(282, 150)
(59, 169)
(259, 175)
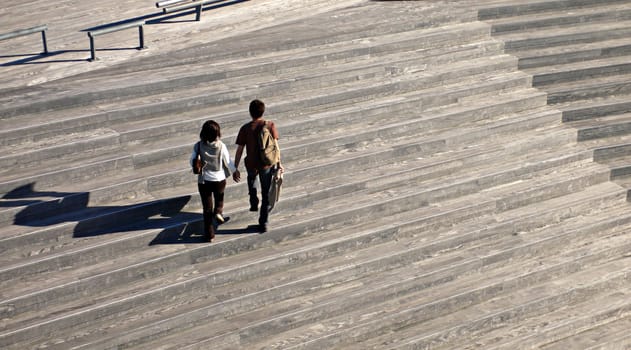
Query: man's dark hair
(210, 131)
(257, 108)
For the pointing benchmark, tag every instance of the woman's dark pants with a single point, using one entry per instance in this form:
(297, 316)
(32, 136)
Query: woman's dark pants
(208, 191)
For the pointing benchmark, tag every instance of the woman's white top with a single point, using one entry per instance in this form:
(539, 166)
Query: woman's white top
(209, 175)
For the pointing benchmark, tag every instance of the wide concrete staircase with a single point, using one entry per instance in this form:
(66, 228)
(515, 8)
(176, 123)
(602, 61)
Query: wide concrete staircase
(433, 198)
(579, 55)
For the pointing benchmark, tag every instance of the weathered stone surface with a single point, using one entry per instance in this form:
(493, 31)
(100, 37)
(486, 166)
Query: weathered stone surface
(434, 198)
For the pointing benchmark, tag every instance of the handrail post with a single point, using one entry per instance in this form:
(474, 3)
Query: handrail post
(44, 42)
(141, 37)
(92, 49)
(198, 16)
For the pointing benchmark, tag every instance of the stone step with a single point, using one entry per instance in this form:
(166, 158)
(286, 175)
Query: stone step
(561, 17)
(574, 111)
(352, 23)
(278, 318)
(548, 303)
(505, 295)
(180, 154)
(340, 278)
(615, 152)
(590, 89)
(620, 169)
(561, 329)
(573, 72)
(481, 80)
(130, 127)
(140, 119)
(613, 335)
(610, 150)
(447, 93)
(571, 34)
(140, 112)
(68, 252)
(137, 236)
(563, 54)
(477, 113)
(16, 239)
(610, 154)
(513, 307)
(603, 127)
(512, 8)
(445, 107)
(354, 28)
(255, 69)
(436, 193)
(181, 322)
(427, 148)
(334, 96)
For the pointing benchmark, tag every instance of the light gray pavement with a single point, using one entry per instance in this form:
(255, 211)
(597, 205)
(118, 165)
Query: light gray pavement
(69, 20)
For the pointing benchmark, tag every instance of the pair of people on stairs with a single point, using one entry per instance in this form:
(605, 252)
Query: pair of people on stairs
(218, 165)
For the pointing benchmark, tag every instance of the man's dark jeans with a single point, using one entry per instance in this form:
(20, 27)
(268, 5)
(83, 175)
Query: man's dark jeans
(265, 178)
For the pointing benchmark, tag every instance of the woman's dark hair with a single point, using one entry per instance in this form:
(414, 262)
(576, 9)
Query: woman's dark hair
(257, 108)
(210, 131)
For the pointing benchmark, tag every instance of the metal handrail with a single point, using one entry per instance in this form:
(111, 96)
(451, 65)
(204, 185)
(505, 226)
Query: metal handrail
(165, 3)
(186, 5)
(21, 32)
(110, 29)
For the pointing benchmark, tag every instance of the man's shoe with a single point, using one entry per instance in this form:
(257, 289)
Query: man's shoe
(254, 208)
(262, 228)
(220, 219)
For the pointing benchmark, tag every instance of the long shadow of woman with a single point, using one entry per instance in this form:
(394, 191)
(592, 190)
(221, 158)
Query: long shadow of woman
(49, 208)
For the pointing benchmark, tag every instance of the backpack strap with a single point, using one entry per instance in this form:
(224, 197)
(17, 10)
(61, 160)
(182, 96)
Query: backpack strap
(265, 126)
(258, 132)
